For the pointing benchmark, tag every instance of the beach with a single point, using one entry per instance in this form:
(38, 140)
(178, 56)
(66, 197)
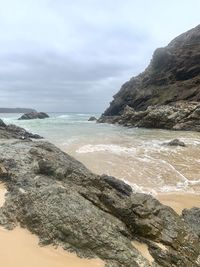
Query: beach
(139, 157)
(19, 248)
(180, 201)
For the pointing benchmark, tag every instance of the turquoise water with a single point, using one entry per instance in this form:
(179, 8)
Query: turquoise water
(135, 155)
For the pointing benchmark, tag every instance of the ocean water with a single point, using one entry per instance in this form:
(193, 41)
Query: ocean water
(137, 156)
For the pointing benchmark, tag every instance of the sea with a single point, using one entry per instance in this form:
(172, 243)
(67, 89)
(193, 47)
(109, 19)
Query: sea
(135, 155)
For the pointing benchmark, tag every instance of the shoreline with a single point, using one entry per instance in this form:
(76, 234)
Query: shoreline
(179, 201)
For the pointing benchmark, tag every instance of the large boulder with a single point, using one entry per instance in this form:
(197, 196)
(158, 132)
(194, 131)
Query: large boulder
(61, 201)
(172, 76)
(34, 115)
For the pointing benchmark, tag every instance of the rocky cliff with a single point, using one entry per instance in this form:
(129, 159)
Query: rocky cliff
(61, 201)
(173, 76)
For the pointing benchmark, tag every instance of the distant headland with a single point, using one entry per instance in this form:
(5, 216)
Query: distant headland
(16, 110)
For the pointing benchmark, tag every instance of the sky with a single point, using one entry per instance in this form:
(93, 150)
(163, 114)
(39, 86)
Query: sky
(74, 55)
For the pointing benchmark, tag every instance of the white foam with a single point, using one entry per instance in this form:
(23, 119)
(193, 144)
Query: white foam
(84, 114)
(191, 141)
(183, 178)
(115, 149)
(70, 141)
(140, 189)
(63, 116)
(193, 182)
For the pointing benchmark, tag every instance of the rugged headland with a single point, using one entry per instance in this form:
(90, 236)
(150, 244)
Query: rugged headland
(60, 200)
(16, 110)
(167, 94)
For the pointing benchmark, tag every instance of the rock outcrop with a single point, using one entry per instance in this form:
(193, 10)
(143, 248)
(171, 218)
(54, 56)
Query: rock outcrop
(178, 116)
(34, 115)
(13, 131)
(192, 217)
(175, 142)
(173, 77)
(61, 201)
(92, 118)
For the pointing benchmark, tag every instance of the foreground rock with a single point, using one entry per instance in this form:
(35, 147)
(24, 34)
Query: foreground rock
(192, 217)
(13, 131)
(57, 198)
(34, 115)
(92, 118)
(172, 76)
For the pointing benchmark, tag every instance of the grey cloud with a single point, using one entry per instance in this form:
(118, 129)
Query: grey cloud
(74, 55)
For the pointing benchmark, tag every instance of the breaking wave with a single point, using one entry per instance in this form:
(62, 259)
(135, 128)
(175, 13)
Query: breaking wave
(115, 149)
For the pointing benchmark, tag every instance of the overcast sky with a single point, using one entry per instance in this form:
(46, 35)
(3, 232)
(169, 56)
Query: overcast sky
(73, 55)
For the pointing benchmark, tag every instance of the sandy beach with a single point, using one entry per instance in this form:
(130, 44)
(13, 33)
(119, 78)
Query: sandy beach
(25, 251)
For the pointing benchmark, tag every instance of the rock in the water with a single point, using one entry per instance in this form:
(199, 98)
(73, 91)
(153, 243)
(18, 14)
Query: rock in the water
(60, 200)
(34, 115)
(192, 217)
(92, 118)
(2, 124)
(181, 115)
(172, 77)
(175, 142)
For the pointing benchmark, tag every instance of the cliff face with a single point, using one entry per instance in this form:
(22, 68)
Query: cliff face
(173, 75)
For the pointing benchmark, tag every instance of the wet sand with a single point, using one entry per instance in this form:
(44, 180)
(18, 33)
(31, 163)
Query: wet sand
(143, 161)
(102, 162)
(19, 248)
(180, 201)
(170, 174)
(143, 249)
